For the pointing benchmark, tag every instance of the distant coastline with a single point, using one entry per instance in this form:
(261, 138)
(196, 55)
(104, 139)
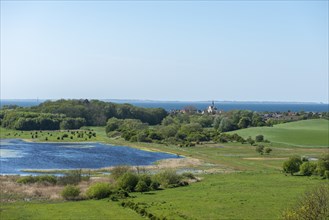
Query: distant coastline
(260, 106)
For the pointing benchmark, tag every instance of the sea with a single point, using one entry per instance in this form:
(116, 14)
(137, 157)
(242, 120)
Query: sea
(200, 105)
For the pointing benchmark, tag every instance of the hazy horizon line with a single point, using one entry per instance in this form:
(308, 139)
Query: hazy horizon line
(153, 100)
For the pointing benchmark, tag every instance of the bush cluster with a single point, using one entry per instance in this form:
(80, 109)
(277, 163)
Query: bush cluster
(307, 168)
(45, 179)
(71, 178)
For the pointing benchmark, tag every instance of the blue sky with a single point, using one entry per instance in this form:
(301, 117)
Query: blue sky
(222, 50)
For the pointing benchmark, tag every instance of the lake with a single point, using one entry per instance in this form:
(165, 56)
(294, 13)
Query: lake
(17, 155)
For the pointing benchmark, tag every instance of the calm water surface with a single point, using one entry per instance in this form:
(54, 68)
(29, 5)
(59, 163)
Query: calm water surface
(17, 155)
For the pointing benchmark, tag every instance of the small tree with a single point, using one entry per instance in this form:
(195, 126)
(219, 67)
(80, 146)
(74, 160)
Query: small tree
(268, 150)
(292, 165)
(259, 138)
(260, 149)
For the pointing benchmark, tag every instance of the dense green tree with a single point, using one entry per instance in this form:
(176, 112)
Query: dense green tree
(259, 138)
(226, 124)
(244, 122)
(292, 165)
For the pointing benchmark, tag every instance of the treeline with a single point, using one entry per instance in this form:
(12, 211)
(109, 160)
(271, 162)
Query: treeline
(97, 112)
(186, 129)
(73, 114)
(39, 121)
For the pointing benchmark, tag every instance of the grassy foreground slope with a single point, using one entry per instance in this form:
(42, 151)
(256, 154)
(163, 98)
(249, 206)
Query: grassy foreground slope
(306, 133)
(90, 209)
(219, 196)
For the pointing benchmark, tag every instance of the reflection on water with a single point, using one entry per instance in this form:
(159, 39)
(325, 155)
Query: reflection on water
(77, 146)
(17, 155)
(6, 153)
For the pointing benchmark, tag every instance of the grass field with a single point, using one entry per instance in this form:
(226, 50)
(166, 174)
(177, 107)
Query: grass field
(218, 196)
(307, 133)
(90, 209)
(237, 182)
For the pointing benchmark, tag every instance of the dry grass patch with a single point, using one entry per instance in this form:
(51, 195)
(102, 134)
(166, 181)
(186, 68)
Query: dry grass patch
(11, 191)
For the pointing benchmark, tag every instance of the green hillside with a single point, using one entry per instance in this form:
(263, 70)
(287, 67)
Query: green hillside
(307, 133)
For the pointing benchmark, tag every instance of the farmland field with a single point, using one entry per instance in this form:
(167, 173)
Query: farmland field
(307, 133)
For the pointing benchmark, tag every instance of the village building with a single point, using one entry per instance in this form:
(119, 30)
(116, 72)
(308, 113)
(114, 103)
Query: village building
(211, 109)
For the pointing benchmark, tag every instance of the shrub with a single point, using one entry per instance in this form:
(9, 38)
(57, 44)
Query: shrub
(168, 178)
(292, 165)
(326, 174)
(313, 204)
(70, 192)
(268, 150)
(128, 181)
(250, 141)
(260, 149)
(154, 185)
(120, 194)
(146, 178)
(307, 168)
(259, 138)
(99, 191)
(141, 186)
(118, 171)
(72, 178)
(323, 165)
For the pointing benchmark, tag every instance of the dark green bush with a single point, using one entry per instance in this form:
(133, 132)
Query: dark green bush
(154, 185)
(260, 149)
(128, 181)
(99, 191)
(323, 165)
(292, 165)
(308, 168)
(119, 194)
(326, 174)
(259, 138)
(141, 186)
(70, 192)
(268, 150)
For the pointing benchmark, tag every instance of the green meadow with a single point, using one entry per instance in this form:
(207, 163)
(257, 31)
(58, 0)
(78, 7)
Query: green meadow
(307, 133)
(221, 196)
(236, 182)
